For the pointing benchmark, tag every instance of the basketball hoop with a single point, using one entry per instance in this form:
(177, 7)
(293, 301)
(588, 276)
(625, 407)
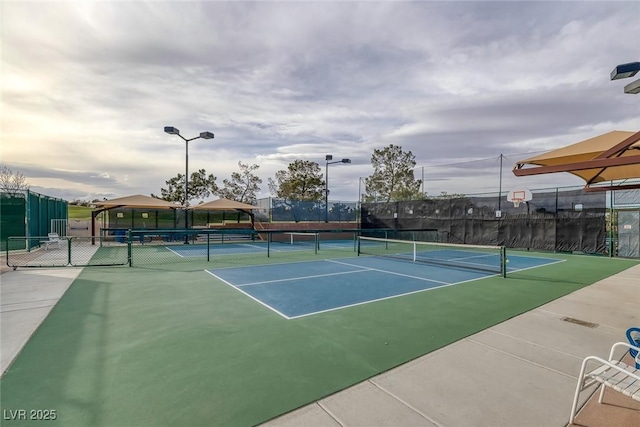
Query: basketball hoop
(518, 196)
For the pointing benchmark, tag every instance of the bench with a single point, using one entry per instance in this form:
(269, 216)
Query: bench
(611, 373)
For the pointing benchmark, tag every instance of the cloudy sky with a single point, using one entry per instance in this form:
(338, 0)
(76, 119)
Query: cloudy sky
(88, 86)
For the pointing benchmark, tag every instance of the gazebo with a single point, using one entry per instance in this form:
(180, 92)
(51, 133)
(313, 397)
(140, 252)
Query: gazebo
(137, 201)
(227, 205)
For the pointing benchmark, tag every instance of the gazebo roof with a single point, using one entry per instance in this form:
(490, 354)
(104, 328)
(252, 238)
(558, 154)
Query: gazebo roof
(225, 205)
(613, 156)
(137, 201)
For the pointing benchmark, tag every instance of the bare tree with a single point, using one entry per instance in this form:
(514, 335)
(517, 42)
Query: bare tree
(243, 185)
(12, 183)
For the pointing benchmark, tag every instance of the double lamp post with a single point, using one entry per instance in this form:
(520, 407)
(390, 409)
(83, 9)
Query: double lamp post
(328, 161)
(204, 135)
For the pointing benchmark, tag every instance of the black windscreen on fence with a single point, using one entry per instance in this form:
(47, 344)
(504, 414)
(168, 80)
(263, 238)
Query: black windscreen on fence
(569, 220)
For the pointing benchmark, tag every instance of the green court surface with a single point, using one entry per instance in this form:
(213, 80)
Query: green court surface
(169, 344)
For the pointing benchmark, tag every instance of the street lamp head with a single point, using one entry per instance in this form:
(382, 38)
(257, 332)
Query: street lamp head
(346, 160)
(625, 70)
(328, 157)
(633, 87)
(206, 135)
(171, 130)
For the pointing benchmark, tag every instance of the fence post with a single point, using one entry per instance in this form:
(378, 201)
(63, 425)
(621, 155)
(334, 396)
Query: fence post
(68, 250)
(129, 249)
(611, 225)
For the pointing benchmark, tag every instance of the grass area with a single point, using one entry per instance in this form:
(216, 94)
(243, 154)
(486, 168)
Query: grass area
(79, 212)
(169, 344)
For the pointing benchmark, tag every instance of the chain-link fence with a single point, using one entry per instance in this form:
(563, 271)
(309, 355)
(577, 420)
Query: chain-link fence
(134, 218)
(174, 246)
(233, 246)
(274, 209)
(67, 251)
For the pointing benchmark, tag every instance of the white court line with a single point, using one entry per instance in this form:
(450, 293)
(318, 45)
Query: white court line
(364, 269)
(389, 297)
(262, 248)
(369, 301)
(250, 296)
(171, 250)
(268, 265)
(522, 255)
(288, 279)
(462, 261)
(390, 272)
(475, 256)
(385, 298)
(535, 266)
(249, 245)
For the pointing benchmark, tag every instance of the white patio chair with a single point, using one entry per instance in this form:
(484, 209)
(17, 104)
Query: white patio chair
(611, 373)
(54, 239)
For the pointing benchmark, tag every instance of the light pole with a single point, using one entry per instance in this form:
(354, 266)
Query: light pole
(328, 161)
(204, 135)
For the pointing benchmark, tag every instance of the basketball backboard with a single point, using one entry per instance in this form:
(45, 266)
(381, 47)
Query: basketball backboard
(518, 196)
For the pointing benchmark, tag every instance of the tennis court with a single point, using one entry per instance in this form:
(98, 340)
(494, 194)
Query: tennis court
(257, 247)
(190, 341)
(305, 288)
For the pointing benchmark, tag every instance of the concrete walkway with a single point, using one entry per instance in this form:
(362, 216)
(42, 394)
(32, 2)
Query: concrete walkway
(26, 298)
(522, 372)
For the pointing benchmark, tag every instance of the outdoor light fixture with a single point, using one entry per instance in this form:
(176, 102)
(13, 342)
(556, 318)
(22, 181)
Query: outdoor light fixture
(204, 135)
(627, 70)
(633, 87)
(328, 161)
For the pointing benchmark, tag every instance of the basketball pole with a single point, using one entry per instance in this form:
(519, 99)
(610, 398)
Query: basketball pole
(500, 186)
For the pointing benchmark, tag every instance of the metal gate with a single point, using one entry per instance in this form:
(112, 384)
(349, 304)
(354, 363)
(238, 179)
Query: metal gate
(59, 226)
(629, 234)
(67, 252)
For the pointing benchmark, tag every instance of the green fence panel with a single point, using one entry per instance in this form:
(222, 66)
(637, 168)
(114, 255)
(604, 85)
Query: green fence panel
(28, 214)
(12, 220)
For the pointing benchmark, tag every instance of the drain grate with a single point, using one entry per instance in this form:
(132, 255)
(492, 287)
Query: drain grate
(580, 322)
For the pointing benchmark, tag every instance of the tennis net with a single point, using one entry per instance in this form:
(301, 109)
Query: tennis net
(491, 259)
(301, 238)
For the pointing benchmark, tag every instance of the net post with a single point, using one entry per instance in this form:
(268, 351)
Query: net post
(503, 261)
(358, 243)
(315, 243)
(415, 252)
(268, 244)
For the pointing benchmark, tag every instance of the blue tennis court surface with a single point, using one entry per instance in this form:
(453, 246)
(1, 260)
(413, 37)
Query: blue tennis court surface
(304, 288)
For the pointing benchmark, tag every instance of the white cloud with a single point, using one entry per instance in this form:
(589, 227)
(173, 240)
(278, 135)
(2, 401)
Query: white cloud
(88, 86)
